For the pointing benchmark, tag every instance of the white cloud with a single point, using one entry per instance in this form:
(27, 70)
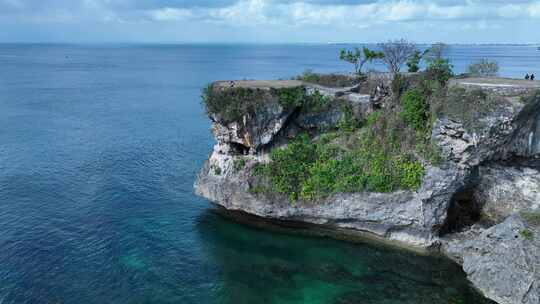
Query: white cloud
(286, 18)
(304, 13)
(171, 14)
(534, 10)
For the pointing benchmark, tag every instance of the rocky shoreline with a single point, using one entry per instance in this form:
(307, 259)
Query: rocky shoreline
(479, 205)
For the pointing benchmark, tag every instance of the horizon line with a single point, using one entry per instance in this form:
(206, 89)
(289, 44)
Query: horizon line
(248, 43)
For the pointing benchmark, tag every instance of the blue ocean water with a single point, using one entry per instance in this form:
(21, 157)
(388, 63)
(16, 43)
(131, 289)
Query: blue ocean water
(99, 148)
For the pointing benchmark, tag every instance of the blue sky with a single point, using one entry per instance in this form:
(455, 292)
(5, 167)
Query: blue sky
(268, 21)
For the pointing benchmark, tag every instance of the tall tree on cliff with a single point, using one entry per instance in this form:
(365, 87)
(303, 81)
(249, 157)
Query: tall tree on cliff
(359, 58)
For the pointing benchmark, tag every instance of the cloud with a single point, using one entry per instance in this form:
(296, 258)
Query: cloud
(302, 15)
(168, 14)
(343, 12)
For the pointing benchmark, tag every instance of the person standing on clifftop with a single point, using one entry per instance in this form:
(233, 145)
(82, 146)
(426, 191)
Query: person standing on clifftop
(532, 77)
(527, 76)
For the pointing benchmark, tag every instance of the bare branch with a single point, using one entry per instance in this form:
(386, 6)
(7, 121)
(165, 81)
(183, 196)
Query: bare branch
(396, 53)
(436, 52)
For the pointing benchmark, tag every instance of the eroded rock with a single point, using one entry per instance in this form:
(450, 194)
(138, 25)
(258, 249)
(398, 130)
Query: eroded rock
(505, 189)
(503, 262)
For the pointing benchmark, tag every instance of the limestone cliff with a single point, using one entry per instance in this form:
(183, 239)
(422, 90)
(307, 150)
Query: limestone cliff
(479, 204)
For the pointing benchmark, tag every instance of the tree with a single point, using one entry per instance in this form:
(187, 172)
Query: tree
(484, 67)
(413, 64)
(359, 58)
(436, 52)
(438, 67)
(441, 70)
(396, 53)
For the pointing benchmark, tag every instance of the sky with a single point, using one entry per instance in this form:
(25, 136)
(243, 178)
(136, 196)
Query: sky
(270, 21)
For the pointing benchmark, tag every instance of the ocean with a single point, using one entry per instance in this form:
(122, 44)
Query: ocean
(99, 149)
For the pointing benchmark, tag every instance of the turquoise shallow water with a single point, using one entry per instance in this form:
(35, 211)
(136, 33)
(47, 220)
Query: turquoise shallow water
(99, 148)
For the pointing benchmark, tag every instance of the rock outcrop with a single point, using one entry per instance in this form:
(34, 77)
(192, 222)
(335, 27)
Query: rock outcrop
(508, 188)
(502, 261)
(468, 206)
(406, 217)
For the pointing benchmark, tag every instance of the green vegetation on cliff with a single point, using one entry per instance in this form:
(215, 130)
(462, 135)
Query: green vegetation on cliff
(313, 169)
(483, 68)
(378, 154)
(415, 109)
(330, 80)
(384, 152)
(232, 104)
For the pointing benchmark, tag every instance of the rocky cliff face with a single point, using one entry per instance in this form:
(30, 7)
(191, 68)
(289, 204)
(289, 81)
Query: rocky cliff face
(472, 206)
(501, 261)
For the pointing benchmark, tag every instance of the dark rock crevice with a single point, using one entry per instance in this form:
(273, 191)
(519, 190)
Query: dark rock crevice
(238, 149)
(469, 205)
(463, 212)
(284, 134)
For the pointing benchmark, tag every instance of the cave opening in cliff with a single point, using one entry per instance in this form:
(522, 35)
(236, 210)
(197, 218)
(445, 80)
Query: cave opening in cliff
(463, 212)
(239, 149)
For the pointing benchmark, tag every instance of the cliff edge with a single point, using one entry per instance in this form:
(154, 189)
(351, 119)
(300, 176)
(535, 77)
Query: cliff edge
(444, 166)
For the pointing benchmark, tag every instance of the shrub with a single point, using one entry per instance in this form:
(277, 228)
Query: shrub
(290, 97)
(231, 104)
(410, 173)
(348, 123)
(316, 102)
(483, 68)
(527, 234)
(321, 181)
(329, 80)
(312, 170)
(309, 76)
(439, 70)
(239, 164)
(290, 166)
(415, 109)
(372, 118)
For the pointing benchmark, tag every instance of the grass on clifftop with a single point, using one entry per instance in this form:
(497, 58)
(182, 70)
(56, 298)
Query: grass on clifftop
(329, 80)
(468, 106)
(232, 104)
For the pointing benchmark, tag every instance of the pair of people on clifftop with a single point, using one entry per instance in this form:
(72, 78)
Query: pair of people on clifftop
(527, 77)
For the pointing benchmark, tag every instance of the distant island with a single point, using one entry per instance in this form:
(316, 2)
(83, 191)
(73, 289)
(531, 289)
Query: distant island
(423, 159)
